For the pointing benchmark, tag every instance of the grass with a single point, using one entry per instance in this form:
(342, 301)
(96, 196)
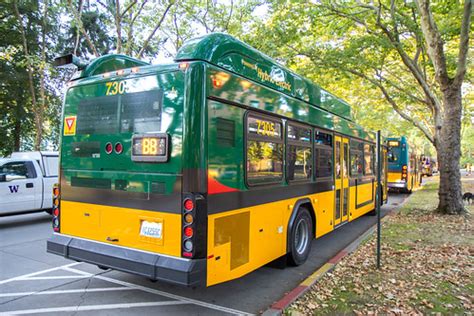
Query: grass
(426, 266)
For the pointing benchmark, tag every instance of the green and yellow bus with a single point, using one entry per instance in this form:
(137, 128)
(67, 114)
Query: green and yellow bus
(404, 166)
(203, 170)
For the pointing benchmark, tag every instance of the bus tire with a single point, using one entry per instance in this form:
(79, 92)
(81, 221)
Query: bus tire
(301, 235)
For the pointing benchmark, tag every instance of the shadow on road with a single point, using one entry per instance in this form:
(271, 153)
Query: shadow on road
(7, 221)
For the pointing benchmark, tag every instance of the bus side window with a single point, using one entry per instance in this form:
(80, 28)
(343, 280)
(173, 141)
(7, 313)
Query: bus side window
(324, 154)
(356, 158)
(299, 156)
(264, 150)
(368, 162)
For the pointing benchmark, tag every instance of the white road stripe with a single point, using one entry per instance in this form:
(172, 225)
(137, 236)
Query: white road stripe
(90, 307)
(77, 271)
(53, 277)
(105, 289)
(165, 294)
(39, 272)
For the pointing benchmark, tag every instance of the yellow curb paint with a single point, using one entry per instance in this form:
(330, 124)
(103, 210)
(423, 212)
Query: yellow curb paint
(313, 277)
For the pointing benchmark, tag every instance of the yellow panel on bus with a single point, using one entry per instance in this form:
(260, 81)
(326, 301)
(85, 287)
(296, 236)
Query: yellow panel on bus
(121, 226)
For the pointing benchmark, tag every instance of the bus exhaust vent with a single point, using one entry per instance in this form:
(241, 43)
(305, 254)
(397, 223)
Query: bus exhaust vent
(225, 132)
(226, 231)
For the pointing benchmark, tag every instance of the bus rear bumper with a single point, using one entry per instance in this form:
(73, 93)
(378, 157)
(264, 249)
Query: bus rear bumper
(397, 185)
(153, 266)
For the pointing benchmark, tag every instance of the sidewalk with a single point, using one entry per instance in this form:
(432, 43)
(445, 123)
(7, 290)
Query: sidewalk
(427, 266)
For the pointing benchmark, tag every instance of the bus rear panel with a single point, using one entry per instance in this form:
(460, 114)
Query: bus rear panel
(121, 180)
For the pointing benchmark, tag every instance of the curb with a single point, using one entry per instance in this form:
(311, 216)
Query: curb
(277, 308)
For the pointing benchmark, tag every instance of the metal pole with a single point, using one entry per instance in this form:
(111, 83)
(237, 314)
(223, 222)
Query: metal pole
(379, 194)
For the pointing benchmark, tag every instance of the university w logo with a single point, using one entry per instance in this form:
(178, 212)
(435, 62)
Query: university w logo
(13, 188)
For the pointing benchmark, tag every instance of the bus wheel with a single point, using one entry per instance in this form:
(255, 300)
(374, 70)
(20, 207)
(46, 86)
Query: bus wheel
(301, 235)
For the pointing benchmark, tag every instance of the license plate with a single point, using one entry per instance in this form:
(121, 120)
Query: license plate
(151, 229)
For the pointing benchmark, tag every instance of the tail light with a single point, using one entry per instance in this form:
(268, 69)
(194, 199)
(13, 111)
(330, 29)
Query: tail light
(194, 226)
(56, 205)
(118, 148)
(108, 148)
(404, 172)
(189, 211)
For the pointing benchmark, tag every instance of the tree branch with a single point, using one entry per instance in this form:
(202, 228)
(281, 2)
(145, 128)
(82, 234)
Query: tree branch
(29, 67)
(130, 5)
(435, 103)
(388, 97)
(434, 43)
(81, 27)
(78, 32)
(128, 50)
(463, 43)
(150, 36)
(118, 26)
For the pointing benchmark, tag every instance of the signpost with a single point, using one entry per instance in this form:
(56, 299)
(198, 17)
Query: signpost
(379, 194)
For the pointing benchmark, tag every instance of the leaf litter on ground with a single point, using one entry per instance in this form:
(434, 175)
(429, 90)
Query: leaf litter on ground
(427, 267)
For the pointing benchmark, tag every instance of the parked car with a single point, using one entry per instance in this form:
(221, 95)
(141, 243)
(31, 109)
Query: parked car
(27, 180)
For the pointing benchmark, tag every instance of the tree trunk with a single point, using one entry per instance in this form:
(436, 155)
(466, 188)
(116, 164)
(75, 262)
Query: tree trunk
(17, 134)
(449, 154)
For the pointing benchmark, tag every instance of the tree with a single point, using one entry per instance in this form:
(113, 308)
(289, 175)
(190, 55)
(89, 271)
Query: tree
(28, 91)
(414, 53)
(125, 17)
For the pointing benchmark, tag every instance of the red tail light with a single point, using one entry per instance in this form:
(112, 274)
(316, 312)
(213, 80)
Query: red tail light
(108, 148)
(188, 232)
(118, 148)
(188, 205)
(55, 211)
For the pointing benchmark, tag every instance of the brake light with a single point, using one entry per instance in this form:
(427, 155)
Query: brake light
(118, 148)
(108, 148)
(188, 205)
(189, 225)
(55, 212)
(188, 232)
(404, 172)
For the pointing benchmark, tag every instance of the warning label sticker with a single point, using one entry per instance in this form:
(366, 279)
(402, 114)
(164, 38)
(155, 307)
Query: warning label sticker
(70, 125)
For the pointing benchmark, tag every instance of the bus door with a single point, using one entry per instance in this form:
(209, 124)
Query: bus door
(341, 157)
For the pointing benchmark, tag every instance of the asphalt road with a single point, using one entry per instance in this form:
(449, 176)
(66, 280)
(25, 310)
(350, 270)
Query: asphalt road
(33, 281)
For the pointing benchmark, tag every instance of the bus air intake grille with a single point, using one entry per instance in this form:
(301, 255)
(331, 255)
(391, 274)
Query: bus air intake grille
(225, 132)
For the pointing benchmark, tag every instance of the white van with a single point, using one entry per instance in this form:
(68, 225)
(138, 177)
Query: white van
(27, 180)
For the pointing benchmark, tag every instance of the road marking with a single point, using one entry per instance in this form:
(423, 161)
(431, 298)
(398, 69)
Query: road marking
(105, 289)
(90, 307)
(39, 272)
(318, 274)
(84, 273)
(165, 294)
(53, 277)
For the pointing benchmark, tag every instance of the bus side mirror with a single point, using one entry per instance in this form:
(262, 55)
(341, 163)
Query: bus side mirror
(3, 177)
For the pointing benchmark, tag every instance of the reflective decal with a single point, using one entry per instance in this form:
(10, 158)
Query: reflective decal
(70, 125)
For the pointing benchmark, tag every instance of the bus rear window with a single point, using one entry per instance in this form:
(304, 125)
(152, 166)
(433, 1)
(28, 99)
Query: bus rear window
(138, 112)
(393, 154)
